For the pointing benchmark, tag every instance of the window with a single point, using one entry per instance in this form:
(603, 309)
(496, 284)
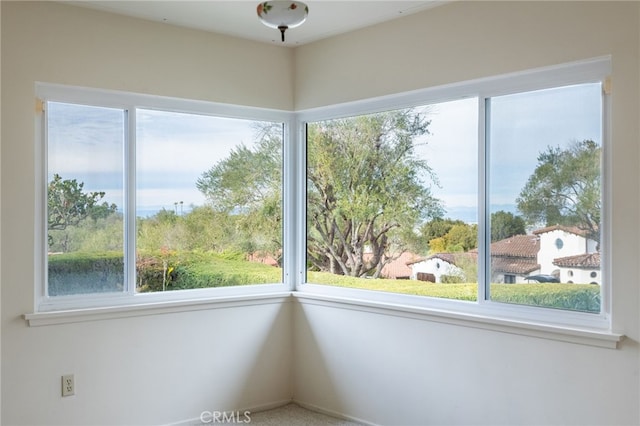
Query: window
(399, 187)
(85, 195)
(392, 195)
(156, 199)
(208, 201)
(545, 165)
(448, 198)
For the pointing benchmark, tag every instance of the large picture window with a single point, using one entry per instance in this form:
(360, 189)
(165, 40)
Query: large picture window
(392, 200)
(493, 199)
(151, 200)
(545, 156)
(209, 209)
(484, 197)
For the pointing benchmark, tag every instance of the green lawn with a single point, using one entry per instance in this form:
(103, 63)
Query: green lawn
(202, 270)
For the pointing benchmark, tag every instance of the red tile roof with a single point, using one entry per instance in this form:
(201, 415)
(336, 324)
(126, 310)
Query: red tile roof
(397, 268)
(570, 229)
(586, 261)
(513, 265)
(452, 258)
(517, 246)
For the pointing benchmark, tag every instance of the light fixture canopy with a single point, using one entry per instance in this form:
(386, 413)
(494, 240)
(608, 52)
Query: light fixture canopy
(282, 14)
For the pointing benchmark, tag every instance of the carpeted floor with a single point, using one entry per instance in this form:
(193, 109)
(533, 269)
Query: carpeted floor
(294, 415)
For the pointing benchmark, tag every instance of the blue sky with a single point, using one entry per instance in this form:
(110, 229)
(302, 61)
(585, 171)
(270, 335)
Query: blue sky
(174, 149)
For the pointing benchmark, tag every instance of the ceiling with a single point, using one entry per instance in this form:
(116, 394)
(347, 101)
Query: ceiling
(239, 18)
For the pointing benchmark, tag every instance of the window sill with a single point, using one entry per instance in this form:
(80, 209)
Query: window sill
(602, 339)
(155, 308)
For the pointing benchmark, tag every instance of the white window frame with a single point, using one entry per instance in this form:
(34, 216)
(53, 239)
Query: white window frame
(130, 102)
(589, 71)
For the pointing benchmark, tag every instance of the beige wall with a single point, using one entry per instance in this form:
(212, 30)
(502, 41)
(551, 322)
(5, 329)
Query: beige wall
(148, 369)
(71, 45)
(390, 370)
(383, 369)
(461, 41)
(0, 218)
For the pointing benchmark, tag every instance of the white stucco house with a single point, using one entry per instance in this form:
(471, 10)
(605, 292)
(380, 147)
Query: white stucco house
(567, 252)
(433, 268)
(563, 253)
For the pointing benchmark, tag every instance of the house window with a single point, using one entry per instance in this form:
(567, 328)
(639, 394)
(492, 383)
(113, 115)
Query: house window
(559, 243)
(156, 199)
(509, 279)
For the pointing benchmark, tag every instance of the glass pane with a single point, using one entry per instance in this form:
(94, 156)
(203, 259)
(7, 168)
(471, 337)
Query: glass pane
(85, 199)
(545, 197)
(392, 201)
(209, 210)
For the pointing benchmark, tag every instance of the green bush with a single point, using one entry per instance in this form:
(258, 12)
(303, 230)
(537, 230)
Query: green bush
(577, 297)
(451, 279)
(79, 273)
(188, 270)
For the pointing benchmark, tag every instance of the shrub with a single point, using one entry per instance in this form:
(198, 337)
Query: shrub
(188, 270)
(577, 297)
(79, 273)
(451, 279)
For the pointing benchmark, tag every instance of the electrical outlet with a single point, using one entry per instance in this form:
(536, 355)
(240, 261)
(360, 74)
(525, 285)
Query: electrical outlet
(68, 385)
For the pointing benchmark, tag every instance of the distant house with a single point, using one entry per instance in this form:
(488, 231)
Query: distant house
(564, 253)
(433, 268)
(562, 241)
(398, 268)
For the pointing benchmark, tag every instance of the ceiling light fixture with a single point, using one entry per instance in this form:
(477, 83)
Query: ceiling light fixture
(282, 14)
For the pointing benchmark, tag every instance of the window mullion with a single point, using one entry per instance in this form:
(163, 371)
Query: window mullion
(42, 171)
(607, 203)
(130, 201)
(484, 255)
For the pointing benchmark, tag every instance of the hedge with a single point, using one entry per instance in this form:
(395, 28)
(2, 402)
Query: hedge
(101, 272)
(79, 273)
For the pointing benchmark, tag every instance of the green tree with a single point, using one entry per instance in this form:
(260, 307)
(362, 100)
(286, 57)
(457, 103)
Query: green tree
(437, 228)
(462, 237)
(564, 188)
(365, 188)
(68, 204)
(247, 185)
(505, 225)
(165, 229)
(438, 245)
